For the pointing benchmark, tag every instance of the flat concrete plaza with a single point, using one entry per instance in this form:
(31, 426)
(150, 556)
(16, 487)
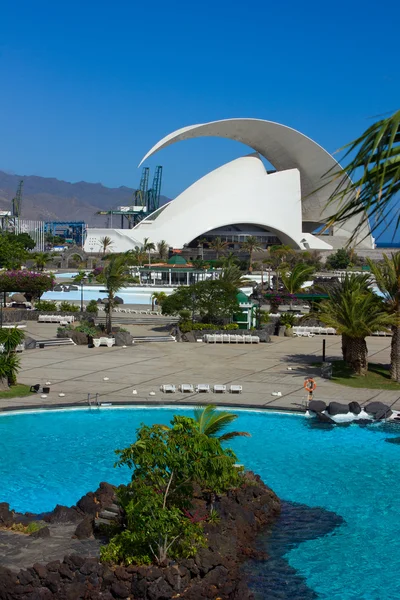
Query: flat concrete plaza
(263, 370)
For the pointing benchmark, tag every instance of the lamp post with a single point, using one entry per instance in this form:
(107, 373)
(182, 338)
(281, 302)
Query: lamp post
(193, 300)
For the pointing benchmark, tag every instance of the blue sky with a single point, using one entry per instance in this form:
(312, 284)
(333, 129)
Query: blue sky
(87, 87)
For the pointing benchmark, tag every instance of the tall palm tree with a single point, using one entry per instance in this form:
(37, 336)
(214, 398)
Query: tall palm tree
(375, 166)
(387, 278)
(106, 243)
(162, 249)
(218, 245)
(212, 422)
(148, 246)
(159, 297)
(355, 312)
(251, 245)
(294, 279)
(115, 275)
(136, 256)
(41, 259)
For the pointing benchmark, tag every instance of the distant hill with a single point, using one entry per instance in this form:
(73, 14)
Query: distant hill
(48, 199)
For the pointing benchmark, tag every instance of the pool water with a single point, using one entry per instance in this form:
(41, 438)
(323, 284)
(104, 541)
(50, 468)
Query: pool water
(56, 457)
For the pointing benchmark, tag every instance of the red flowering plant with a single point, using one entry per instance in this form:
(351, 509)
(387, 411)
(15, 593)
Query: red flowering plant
(29, 283)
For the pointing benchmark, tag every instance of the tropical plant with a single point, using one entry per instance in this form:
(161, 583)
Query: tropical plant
(370, 181)
(287, 320)
(212, 422)
(339, 259)
(12, 252)
(10, 338)
(213, 300)
(230, 259)
(233, 275)
(167, 464)
(92, 307)
(218, 245)
(113, 277)
(148, 246)
(387, 277)
(251, 245)
(355, 312)
(136, 256)
(106, 243)
(68, 307)
(295, 279)
(46, 305)
(41, 260)
(158, 297)
(162, 249)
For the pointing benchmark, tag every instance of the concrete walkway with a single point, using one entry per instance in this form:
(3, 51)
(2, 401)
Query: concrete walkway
(261, 369)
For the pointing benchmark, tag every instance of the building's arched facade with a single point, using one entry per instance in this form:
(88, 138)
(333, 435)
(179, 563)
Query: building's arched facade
(241, 197)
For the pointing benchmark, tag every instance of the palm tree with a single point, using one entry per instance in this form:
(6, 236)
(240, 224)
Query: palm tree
(41, 260)
(106, 243)
(136, 256)
(218, 246)
(230, 259)
(212, 422)
(251, 245)
(9, 361)
(159, 297)
(162, 249)
(375, 167)
(115, 275)
(387, 278)
(148, 247)
(355, 312)
(232, 274)
(294, 279)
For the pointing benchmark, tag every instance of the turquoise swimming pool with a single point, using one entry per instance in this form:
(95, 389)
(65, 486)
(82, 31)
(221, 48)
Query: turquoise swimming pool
(56, 457)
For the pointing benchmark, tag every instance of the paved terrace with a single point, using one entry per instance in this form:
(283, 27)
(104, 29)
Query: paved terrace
(261, 369)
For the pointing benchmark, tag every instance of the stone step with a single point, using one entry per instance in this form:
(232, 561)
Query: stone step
(55, 342)
(106, 514)
(114, 508)
(101, 521)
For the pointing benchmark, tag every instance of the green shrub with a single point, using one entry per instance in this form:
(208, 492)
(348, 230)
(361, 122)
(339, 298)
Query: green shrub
(168, 464)
(186, 326)
(46, 305)
(92, 307)
(264, 316)
(89, 330)
(184, 315)
(288, 320)
(68, 307)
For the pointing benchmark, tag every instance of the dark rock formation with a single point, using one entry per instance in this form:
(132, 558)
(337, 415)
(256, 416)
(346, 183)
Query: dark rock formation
(214, 573)
(6, 515)
(323, 418)
(379, 410)
(317, 406)
(85, 528)
(118, 300)
(123, 338)
(336, 408)
(355, 408)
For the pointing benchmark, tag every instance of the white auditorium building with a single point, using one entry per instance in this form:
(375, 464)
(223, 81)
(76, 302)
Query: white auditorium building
(242, 198)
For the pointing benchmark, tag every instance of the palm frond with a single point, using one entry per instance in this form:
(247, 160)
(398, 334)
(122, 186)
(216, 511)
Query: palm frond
(232, 434)
(368, 184)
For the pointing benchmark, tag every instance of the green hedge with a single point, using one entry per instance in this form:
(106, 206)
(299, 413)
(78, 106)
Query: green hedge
(186, 326)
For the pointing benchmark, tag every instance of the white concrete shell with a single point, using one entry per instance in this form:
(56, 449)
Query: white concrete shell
(287, 203)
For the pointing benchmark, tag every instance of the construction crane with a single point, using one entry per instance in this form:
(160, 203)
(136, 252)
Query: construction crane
(140, 195)
(17, 201)
(153, 195)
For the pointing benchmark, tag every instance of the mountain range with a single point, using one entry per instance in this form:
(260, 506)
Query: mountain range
(50, 199)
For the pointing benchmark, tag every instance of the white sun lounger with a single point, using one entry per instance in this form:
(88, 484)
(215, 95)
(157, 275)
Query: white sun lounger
(186, 388)
(236, 389)
(168, 388)
(202, 388)
(219, 389)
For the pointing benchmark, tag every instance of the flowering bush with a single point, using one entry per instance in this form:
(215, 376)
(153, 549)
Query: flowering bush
(276, 299)
(25, 281)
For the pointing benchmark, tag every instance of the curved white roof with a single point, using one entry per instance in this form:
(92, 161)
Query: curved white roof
(285, 148)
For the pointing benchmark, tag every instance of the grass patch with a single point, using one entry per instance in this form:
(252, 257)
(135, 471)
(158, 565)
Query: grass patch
(27, 529)
(378, 377)
(16, 391)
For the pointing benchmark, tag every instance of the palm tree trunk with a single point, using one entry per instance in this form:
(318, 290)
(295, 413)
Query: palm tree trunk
(344, 346)
(251, 261)
(357, 355)
(395, 354)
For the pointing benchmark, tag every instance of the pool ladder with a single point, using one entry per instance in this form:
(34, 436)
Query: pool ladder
(94, 401)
